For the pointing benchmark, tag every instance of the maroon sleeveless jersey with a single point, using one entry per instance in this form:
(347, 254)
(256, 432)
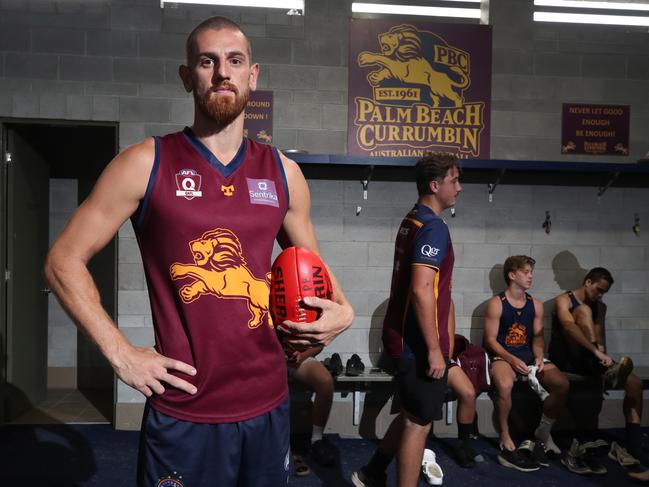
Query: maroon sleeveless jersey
(206, 233)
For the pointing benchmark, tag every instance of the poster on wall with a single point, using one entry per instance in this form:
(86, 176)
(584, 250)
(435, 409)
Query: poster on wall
(418, 87)
(598, 130)
(258, 121)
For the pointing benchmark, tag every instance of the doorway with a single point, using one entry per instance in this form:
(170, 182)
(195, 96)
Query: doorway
(49, 371)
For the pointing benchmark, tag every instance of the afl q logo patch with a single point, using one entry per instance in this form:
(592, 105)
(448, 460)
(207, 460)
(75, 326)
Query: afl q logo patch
(429, 251)
(188, 184)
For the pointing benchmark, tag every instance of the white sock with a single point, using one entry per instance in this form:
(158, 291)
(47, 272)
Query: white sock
(543, 433)
(316, 435)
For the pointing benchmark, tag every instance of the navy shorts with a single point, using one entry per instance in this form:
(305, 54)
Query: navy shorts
(251, 453)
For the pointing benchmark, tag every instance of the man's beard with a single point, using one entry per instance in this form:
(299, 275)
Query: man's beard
(223, 109)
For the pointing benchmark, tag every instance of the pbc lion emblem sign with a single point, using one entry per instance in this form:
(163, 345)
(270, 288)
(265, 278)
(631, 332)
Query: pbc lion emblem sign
(414, 88)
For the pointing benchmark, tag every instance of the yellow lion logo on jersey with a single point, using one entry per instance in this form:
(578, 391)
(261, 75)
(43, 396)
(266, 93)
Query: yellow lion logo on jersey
(516, 335)
(403, 58)
(220, 269)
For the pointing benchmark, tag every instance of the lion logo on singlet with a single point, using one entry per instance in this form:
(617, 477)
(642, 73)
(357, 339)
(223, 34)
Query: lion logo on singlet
(516, 335)
(220, 270)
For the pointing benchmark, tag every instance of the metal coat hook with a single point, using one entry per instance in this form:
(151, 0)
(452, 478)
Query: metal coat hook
(492, 186)
(547, 224)
(453, 212)
(602, 189)
(636, 224)
(365, 182)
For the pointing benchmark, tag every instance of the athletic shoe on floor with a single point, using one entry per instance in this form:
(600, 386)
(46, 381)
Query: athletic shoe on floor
(354, 366)
(465, 456)
(517, 460)
(594, 465)
(590, 445)
(616, 375)
(431, 469)
(300, 468)
(573, 460)
(548, 443)
(538, 454)
(575, 464)
(622, 456)
(323, 453)
(363, 478)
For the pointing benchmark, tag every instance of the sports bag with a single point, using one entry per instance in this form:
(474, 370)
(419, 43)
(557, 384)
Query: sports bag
(474, 361)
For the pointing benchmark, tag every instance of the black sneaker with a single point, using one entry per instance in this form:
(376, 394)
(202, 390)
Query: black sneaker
(335, 365)
(535, 453)
(465, 456)
(517, 460)
(363, 478)
(538, 454)
(354, 366)
(323, 453)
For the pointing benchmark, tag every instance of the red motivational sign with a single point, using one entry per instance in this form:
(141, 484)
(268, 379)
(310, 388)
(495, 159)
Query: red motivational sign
(595, 129)
(417, 87)
(258, 121)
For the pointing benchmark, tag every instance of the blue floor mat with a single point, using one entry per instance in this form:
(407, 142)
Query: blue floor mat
(97, 456)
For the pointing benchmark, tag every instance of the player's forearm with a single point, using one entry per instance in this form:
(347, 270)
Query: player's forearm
(70, 281)
(424, 304)
(492, 345)
(538, 346)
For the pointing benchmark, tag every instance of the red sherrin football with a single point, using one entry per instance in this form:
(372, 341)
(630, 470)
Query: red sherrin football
(296, 274)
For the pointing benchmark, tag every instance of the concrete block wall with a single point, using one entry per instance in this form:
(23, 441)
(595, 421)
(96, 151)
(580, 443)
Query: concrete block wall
(116, 60)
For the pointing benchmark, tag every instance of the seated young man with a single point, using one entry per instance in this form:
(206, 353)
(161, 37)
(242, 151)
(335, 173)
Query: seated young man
(513, 334)
(304, 367)
(578, 346)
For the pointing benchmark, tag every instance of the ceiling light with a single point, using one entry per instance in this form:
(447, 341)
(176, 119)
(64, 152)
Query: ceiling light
(378, 8)
(285, 4)
(591, 19)
(592, 5)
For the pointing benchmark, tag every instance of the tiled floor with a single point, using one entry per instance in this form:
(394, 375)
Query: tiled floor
(71, 406)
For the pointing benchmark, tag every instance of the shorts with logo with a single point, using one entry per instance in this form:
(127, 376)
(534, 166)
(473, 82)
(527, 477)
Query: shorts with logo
(419, 394)
(251, 453)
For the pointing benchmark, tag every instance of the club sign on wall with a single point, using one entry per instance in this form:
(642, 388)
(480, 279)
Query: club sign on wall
(258, 121)
(418, 87)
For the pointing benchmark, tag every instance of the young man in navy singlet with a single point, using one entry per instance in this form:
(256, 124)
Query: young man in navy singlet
(206, 205)
(416, 325)
(578, 346)
(513, 334)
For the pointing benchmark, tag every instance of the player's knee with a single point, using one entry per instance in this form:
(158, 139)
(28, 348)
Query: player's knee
(582, 312)
(503, 386)
(324, 384)
(562, 386)
(466, 395)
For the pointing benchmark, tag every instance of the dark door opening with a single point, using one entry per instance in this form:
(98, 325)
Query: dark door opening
(43, 358)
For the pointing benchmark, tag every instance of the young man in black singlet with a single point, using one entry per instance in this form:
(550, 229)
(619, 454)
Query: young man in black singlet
(578, 345)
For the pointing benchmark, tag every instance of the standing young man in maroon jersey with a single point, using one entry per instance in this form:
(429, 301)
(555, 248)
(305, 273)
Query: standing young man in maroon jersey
(206, 205)
(416, 326)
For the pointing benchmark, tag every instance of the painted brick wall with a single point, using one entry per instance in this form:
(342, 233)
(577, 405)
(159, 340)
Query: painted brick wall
(116, 60)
